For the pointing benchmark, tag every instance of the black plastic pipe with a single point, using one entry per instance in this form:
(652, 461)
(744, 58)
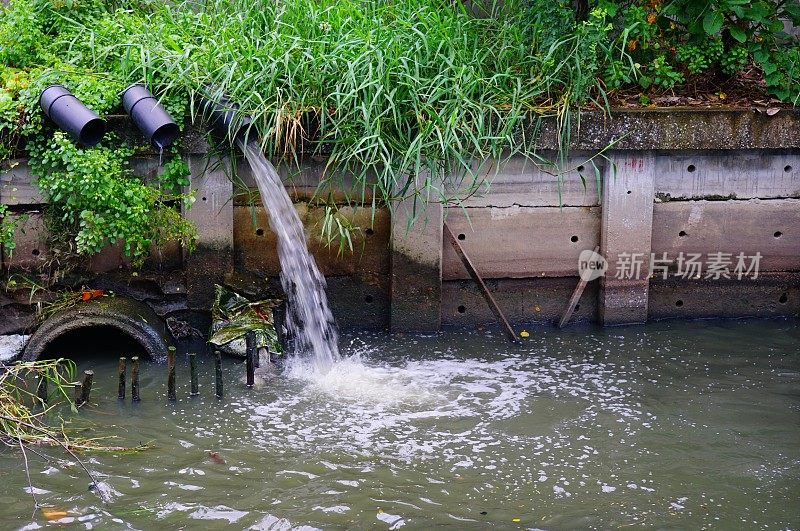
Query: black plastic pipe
(223, 118)
(150, 116)
(68, 113)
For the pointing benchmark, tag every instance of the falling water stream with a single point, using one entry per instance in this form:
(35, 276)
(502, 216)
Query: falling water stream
(309, 321)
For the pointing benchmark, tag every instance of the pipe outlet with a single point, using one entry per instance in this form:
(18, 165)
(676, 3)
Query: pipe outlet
(149, 116)
(223, 118)
(69, 114)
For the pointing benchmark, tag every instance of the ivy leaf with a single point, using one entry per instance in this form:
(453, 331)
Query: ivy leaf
(768, 68)
(793, 10)
(738, 33)
(776, 25)
(760, 56)
(712, 22)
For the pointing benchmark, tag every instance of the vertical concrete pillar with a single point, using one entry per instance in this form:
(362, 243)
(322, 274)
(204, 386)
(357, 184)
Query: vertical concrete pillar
(212, 212)
(416, 266)
(625, 236)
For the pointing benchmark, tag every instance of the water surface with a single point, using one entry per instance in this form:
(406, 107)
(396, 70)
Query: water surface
(672, 425)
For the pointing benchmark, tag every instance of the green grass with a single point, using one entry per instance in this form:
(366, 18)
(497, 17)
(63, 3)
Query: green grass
(394, 89)
(410, 97)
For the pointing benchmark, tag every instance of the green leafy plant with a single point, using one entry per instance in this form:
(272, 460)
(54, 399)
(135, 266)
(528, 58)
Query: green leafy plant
(699, 59)
(756, 26)
(8, 228)
(96, 200)
(662, 74)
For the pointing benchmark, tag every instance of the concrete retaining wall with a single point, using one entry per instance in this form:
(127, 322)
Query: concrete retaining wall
(676, 184)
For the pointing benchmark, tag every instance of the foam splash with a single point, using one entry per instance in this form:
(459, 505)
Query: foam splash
(356, 378)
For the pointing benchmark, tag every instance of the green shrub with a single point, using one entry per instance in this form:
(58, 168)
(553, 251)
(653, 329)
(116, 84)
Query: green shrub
(94, 196)
(715, 36)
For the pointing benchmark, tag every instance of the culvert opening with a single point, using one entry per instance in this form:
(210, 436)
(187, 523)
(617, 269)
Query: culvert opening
(92, 342)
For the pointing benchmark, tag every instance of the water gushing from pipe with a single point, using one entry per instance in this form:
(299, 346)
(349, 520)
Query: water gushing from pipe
(309, 320)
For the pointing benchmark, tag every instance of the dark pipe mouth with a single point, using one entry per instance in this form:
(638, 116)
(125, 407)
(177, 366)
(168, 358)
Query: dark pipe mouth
(92, 133)
(165, 135)
(222, 116)
(149, 116)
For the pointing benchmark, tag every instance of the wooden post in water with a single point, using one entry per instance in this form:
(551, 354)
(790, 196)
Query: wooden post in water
(193, 374)
(78, 393)
(121, 369)
(86, 386)
(218, 373)
(171, 395)
(83, 389)
(250, 342)
(41, 389)
(135, 379)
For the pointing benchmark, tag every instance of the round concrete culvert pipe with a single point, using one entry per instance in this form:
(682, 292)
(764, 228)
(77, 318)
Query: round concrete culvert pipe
(149, 116)
(223, 117)
(130, 317)
(69, 114)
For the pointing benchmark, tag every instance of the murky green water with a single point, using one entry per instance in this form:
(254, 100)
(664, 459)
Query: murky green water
(681, 425)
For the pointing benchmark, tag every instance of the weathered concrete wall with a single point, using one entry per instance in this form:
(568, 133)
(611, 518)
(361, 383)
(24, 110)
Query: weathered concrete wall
(679, 183)
(679, 203)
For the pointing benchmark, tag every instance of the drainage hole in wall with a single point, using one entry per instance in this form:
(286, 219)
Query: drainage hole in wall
(462, 309)
(783, 298)
(580, 169)
(369, 232)
(682, 233)
(778, 234)
(629, 192)
(690, 168)
(574, 239)
(461, 237)
(368, 299)
(678, 303)
(577, 307)
(259, 232)
(35, 252)
(204, 199)
(787, 168)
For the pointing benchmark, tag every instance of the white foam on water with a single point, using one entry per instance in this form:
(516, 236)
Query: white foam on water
(395, 521)
(219, 512)
(461, 414)
(354, 379)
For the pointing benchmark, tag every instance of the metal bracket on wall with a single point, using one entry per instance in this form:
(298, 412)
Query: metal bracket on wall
(481, 284)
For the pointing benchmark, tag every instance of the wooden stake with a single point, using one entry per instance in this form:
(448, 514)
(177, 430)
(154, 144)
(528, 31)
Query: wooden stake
(122, 368)
(86, 386)
(576, 296)
(78, 392)
(135, 379)
(250, 341)
(193, 374)
(171, 395)
(41, 389)
(479, 281)
(218, 373)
